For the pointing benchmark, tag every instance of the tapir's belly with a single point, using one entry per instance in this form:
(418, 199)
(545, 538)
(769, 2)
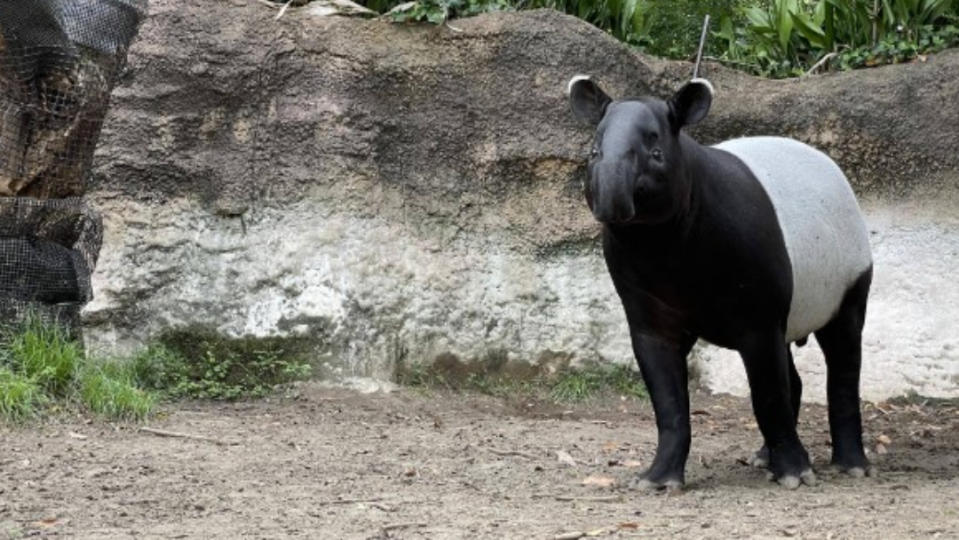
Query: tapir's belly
(822, 226)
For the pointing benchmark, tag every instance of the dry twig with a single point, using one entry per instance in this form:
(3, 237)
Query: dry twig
(393, 526)
(512, 453)
(606, 498)
(178, 435)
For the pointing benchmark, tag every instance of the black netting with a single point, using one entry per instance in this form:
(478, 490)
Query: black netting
(59, 60)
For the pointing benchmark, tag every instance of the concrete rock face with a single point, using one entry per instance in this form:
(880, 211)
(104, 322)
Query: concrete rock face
(410, 193)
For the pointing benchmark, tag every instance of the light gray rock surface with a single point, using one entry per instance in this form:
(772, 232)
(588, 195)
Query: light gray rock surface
(407, 192)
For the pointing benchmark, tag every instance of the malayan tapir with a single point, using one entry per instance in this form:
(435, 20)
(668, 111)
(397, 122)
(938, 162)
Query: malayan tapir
(751, 244)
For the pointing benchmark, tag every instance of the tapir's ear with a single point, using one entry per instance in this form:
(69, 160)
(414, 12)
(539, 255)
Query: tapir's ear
(587, 99)
(690, 103)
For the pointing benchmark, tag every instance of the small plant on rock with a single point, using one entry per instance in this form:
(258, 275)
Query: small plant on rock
(205, 365)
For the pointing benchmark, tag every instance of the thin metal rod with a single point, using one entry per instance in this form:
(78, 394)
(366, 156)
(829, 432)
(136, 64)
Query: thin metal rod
(702, 41)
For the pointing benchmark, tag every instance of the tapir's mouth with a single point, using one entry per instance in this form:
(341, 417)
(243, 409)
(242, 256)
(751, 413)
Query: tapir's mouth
(611, 201)
(639, 208)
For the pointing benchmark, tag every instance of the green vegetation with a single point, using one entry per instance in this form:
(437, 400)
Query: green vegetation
(566, 385)
(41, 367)
(438, 11)
(20, 397)
(45, 355)
(775, 38)
(43, 370)
(203, 364)
(787, 37)
(109, 389)
(581, 385)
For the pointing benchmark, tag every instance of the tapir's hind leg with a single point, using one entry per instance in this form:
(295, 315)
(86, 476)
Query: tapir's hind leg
(841, 342)
(767, 360)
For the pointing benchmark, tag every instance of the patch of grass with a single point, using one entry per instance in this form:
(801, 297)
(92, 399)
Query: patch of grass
(108, 391)
(574, 386)
(157, 367)
(20, 397)
(43, 369)
(205, 365)
(911, 397)
(420, 376)
(44, 354)
(567, 385)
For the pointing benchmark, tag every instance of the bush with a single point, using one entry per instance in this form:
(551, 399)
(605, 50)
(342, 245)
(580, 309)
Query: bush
(776, 38)
(438, 11)
(675, 26)
(787, 37)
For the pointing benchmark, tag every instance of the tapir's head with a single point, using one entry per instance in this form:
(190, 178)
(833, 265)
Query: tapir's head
(636, 172)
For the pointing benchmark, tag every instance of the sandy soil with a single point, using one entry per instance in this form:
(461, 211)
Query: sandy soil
(331, 463)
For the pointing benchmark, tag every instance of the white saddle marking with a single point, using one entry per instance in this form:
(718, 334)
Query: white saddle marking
(826, 237)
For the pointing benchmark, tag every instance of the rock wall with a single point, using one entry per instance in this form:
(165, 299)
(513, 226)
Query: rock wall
(409, 192)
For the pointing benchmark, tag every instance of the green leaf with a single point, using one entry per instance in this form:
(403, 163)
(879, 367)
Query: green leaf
(809, 30)
(758, 18)
(784, 23)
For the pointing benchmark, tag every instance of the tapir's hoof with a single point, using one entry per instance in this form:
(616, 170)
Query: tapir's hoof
(645, 484)
(791, 481)
(760, 459)
(859, 472)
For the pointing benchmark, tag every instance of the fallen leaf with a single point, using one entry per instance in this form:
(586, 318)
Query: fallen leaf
(46, 523)
(74, 435)
(628, 525)
(599, 480)
(882, 438)
(596, 532)
(632, 463)
(610, 446)
(881, 449)
(569, 536)
(563, 457)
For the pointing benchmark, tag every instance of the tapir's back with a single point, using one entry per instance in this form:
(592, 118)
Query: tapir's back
(822, 225)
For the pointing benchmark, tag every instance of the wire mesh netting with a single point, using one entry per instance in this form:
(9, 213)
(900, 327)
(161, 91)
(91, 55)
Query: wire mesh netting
(59, 60)
(48, 249)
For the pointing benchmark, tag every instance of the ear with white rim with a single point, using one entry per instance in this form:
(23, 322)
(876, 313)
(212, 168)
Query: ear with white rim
(587, 99)
(690, 104)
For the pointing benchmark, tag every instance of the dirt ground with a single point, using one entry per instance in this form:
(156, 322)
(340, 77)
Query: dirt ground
(332, 463)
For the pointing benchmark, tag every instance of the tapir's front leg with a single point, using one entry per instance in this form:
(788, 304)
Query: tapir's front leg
(663, 365)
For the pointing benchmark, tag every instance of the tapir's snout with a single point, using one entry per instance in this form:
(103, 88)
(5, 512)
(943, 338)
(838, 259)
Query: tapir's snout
(611, 192)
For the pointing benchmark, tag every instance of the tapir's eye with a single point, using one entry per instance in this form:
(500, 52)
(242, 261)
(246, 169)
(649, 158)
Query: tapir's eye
(593, 153)
(656, 154)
